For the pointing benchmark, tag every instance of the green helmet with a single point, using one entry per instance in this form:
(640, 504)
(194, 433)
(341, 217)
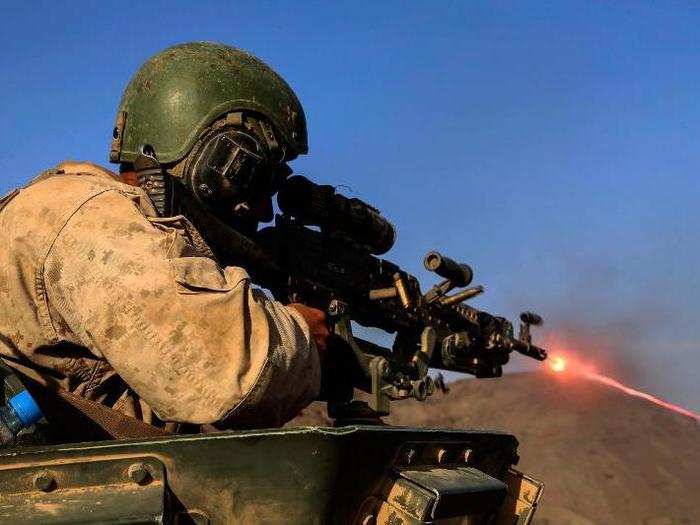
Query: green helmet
(181, 91)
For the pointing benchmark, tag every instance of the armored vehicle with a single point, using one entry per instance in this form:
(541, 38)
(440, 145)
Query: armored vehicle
(354, 475)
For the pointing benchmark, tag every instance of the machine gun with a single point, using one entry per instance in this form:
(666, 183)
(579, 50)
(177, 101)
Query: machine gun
(323, 251)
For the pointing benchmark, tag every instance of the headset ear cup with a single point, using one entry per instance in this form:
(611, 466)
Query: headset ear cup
(222, 171)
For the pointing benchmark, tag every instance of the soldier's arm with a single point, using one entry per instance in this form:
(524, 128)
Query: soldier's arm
(195, 341)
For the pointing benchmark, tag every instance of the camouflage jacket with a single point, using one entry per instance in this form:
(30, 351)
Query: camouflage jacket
(100, 297)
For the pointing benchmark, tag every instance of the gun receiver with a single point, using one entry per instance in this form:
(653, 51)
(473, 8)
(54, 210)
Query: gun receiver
(322, 252)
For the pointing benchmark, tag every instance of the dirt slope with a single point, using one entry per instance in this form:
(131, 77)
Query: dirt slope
(605, 457)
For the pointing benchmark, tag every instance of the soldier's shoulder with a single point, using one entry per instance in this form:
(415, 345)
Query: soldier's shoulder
(65, 188)
(72, 181)
(79, 173)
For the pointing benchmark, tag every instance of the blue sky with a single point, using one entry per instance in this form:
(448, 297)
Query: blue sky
(552, 145)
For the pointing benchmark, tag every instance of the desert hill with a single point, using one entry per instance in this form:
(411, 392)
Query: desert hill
(605, 457)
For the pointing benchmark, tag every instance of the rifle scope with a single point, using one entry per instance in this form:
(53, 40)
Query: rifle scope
(319, 205)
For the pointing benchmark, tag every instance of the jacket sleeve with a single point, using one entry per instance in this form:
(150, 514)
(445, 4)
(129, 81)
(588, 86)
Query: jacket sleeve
(194, 340)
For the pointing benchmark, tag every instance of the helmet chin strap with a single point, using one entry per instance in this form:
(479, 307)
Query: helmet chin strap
(155, 181)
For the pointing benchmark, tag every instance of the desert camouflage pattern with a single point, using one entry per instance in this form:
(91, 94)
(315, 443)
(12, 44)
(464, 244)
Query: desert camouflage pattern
(102, 298)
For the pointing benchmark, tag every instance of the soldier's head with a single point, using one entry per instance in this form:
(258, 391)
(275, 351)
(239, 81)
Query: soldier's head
(215, 121)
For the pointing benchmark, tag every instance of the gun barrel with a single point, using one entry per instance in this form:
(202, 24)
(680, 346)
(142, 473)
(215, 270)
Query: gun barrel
(459, 274)
(531, 350)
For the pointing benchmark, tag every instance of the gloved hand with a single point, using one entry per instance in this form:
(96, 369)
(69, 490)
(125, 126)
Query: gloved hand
(316, 319)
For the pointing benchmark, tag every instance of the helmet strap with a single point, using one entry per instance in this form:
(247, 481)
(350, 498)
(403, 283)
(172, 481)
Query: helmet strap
(155, 181)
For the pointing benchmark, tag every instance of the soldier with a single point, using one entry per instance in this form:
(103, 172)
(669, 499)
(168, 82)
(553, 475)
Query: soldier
(110, 292)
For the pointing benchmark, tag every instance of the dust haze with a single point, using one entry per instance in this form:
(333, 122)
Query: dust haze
(633, 331)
